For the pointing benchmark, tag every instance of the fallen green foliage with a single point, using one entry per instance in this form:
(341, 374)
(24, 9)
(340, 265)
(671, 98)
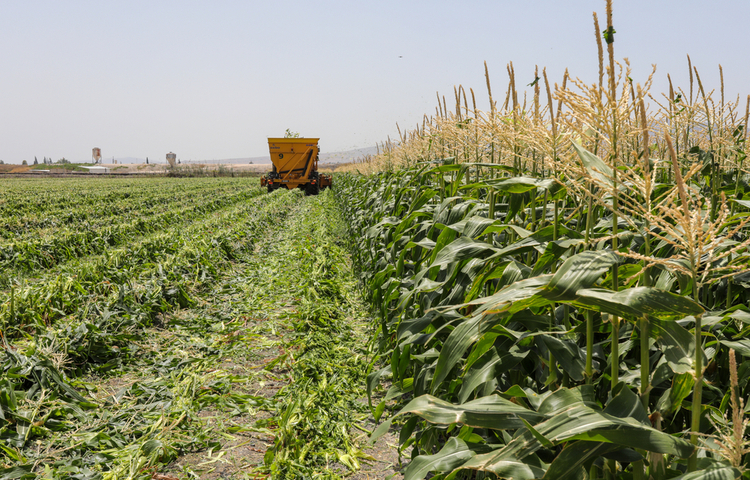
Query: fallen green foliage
(103, 377)
(326, 353)
(196, 341)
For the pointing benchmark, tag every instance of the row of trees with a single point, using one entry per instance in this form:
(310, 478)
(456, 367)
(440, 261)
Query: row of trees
(48, 161)
(45, 161)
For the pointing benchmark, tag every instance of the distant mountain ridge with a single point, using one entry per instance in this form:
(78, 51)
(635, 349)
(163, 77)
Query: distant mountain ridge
(333, 157)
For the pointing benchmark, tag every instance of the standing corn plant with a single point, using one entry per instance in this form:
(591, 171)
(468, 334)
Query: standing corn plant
(571, 252)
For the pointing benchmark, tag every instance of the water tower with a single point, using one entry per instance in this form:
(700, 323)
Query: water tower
(96, 155)
(172, 159)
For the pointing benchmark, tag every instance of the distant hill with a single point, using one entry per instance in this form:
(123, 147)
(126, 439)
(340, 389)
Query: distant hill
(347, 156)
(335, 157)
(325, 157)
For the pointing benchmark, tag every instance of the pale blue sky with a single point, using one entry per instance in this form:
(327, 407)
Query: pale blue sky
(212, 80)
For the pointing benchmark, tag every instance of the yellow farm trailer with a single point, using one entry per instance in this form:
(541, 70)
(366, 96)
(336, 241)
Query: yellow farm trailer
(295, 165)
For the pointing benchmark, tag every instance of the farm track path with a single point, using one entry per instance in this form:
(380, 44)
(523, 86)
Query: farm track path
(264, 292)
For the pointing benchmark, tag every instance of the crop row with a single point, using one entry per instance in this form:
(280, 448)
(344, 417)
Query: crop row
(31, 208)
(149, 271)
(33, 195)
(91, 317)
(540, 334)
(562, 285)
(46, 251)
(325, 357)
(91, 217)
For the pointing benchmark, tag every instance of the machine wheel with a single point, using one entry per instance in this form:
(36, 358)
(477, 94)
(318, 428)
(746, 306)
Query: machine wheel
(311, 189)
(270, 189)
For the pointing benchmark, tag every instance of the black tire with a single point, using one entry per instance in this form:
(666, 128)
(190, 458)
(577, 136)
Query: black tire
(311, 189)
(270, 189)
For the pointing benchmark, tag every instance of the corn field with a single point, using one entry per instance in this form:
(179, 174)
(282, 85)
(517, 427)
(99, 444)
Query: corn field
(163, 328)
(561, 284)
(557, 288)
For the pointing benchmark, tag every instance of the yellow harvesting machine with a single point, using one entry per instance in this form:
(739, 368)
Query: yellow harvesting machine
(295, 165)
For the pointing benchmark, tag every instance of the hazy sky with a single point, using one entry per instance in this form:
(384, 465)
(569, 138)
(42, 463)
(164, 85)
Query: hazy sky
(212, 80)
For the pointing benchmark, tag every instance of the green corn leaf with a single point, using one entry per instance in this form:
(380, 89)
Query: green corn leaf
(505, 468)
(678, 345)
(579, 272)
(152, 446)
(514, 206)
(446, 236)
(515, 391)
(595, 166)
(627, 405)
(413, 326)
(22, 472)
(567, 398)
(459, 250)
(373, 379)
(634, 437)
(523, 184)
(516, 185)
(490, 411)
(506, 273)
(574, 457)
(682, 388)
(552, 252)
(499, 227)
(399, 388)
(454, 453)
(638, 302)
(484, 345)
(473, 227)
(574, 420)
(421, 200)
(379, 411)
(714, 472)
(456, 345)
(541, 438)
(570, 356)
(515, 297)
(489, 367)
(404, 360)
(741, 346)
